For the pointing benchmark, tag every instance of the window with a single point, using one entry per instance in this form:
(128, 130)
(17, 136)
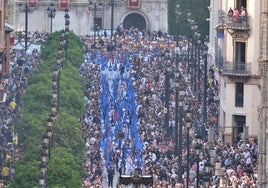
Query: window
(240, 55)
(241, 3)
(239, 127)
(98, 22)
(239, 94)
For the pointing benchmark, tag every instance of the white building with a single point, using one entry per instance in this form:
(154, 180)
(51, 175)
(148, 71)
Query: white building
(239, 51)
(149, 14)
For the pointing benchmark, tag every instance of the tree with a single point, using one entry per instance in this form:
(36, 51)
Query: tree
(65, 163)
(199, 10)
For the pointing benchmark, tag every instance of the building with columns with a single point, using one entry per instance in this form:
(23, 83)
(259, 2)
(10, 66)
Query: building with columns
(145, 14)
(239, 51)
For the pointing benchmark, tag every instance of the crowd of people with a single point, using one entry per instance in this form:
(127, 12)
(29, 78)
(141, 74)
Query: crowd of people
(12, 86)
(237, 14)
(147, 73)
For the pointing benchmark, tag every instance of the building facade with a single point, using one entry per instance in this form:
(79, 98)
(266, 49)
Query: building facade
(236, 42)
(144, 14)
(239, 51)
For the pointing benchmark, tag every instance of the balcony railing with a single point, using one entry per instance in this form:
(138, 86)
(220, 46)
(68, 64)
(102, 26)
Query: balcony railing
(237, 23)
(235, 68)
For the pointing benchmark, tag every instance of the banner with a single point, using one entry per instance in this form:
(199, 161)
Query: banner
(63, 4)
(32, 3)
(134, 4)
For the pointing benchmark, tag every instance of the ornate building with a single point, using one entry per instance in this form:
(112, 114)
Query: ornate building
(144, 14)
(239, 51)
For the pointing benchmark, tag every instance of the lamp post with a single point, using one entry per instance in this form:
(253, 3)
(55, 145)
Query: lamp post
(205, 51)
(67, 20)
(195, 27)
(198, 43)
(181, 103)
(198, 147)
(193, 39)
(98, 4)
(67, 23)
(188, 123)
(42, 180)
(25, 9)
(179, 93)
(51, 12)
(93, 5)
(167, 85)
(112, 16)
(94, 22)
(113, 4)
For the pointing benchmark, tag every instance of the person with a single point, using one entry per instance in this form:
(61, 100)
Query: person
(230, 13)
(243, 12)
(235, 15)
(105, 33)
(5, 173)
(116, 160)
(110, 177)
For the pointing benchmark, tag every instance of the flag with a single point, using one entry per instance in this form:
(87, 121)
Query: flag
(64, 4)
(32, 3)
(134, 4)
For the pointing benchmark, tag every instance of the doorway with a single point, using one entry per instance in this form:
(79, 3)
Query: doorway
(238, 128)
(134, 20)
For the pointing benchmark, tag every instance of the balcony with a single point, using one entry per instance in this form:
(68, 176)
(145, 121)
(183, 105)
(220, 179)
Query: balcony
(235, 69)
(237, 23)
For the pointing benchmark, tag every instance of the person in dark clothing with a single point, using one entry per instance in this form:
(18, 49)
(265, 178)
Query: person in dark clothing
(110, 177)
(105, 33)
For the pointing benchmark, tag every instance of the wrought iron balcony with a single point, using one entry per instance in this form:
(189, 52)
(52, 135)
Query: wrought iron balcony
(235, 68)
(237, 23)
(234, 22)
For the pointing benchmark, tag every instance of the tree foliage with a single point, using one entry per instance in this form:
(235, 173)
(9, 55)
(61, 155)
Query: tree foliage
(199, 11)
(64, 169)
(65, 164)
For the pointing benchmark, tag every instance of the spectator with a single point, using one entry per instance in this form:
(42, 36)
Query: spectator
(110, 177)
(235, 15)
(230, 13)
(243, 12)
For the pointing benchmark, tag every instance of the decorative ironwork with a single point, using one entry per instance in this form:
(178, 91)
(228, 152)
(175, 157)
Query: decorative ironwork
(236, 69)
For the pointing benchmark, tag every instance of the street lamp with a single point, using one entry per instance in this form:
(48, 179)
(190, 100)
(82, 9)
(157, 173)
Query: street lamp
(167, 60)
(198, 44)
(198, 147)
(46, 145)
(205, 51)
(193, 29)
(179, 124)
(179, 93)
(67, 23)
(94, 5)
(188, 124)
(97, 4)
(51, 12)
(67, 20)
(112, 4)
(43, 167)
(42, 180)
(25, 9)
